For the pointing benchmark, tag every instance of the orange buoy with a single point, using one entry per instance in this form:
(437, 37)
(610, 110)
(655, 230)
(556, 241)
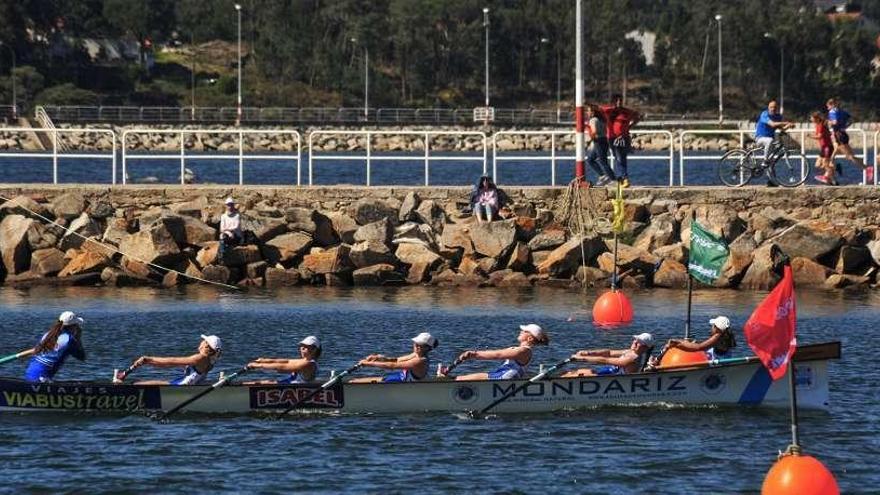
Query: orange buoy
(612, 308)
(800, 475)
(678, 357)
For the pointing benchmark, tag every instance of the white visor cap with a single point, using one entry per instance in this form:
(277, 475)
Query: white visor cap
(68, 318)
(425, 338)
(722, 322)
(213, 342)
(311, 341)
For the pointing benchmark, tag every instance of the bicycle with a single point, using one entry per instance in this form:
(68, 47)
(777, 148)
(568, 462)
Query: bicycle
(784, 165)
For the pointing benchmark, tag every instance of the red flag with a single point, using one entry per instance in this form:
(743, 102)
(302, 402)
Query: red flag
(771, 330)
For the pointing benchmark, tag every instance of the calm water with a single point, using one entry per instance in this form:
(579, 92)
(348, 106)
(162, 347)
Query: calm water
(642, 169)
(610, 450)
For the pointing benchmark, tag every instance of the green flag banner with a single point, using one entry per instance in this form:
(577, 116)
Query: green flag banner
(707, 255)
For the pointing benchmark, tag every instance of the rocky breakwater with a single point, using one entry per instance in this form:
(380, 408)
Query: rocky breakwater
(382, 236)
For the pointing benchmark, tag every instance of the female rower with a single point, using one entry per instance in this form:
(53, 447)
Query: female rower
(410, 367)
(197, 366)
(302, 370)
(516, 358)
(616, 362)
(719, 344)
(63, 339)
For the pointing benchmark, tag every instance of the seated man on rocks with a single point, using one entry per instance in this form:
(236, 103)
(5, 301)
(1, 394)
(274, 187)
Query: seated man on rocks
(230, 229)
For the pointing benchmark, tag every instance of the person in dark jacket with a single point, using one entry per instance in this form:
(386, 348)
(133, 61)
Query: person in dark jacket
(486, 199)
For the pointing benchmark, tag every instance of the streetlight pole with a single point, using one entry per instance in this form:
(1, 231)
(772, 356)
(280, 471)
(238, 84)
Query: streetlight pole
(558, 81)
(12, 77)
(366, 79)
(192, 75)
(238, 109)
(781, 73)
(720, 85)
(486, 25)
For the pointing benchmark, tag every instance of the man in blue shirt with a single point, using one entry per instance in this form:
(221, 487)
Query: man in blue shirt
(768, 122)
(838, 119)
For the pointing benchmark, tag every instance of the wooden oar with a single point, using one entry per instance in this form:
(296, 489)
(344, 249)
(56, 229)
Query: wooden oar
(538, 377)
(215, 386)
(318, 390)
(18, 355)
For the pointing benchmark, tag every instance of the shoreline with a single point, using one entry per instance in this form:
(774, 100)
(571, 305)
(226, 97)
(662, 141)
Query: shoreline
(373, 236)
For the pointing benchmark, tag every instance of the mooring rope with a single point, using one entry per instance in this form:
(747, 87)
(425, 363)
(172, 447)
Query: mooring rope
(580, 221)
(113, 248)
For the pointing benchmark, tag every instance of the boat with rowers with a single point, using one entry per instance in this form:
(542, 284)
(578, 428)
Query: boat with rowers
(728, 382)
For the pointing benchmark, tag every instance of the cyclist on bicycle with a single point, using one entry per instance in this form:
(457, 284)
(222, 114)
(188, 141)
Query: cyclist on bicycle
(768, 122)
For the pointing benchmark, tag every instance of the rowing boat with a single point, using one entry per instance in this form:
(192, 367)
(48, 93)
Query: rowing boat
(744, 384)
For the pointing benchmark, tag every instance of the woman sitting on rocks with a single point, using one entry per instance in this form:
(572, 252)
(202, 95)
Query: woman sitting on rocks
(486, 199)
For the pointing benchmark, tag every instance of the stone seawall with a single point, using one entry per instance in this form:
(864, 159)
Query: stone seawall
(407, 235)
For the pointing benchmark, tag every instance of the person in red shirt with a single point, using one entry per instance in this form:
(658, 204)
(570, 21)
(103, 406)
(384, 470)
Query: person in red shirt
(620, 119)
(826, 145)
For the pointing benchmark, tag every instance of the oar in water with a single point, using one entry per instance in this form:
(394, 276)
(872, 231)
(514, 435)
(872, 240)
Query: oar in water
(18, 355)
(215, 386)
(538, 377)
(318, 390)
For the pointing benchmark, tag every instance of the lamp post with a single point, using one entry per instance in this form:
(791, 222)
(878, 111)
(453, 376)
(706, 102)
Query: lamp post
(12, 77)
(366, 80)
(486, 25)
(192, 75)
(558, 81)
(238, 109)
(720, 86)
(781, 73)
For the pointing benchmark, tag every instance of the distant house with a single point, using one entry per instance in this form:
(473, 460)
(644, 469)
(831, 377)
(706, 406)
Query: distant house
(104, 50)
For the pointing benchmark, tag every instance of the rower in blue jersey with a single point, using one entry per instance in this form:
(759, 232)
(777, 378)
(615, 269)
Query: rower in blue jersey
(616, 362)
(63, 339)
(516, 358)
(196, 366)
(410, 367)
(301, 370)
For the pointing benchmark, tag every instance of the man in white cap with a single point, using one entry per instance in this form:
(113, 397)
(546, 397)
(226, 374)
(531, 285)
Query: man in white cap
(719, 345)
(302, 370)
(616, 362)
(63, 339)
(196, 366)
(410, 367)
(230, 228)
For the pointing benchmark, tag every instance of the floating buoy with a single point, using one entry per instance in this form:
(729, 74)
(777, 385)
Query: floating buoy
(678, 357)
(799, 475)
(612, 308)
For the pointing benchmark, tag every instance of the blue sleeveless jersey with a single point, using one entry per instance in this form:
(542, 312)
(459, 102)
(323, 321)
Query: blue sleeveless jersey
(44, 366)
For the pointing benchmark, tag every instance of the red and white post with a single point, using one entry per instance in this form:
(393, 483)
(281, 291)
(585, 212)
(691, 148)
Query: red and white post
(579, 171)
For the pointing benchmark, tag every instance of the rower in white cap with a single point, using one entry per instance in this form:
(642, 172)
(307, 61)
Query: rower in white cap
(516, 358)
(302, 370)
(407, 368)
(616, 362)
(718, 345)
(63, 339)
(196, 366)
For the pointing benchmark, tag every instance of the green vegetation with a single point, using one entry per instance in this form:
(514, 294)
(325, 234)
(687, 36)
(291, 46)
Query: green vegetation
(423, 53)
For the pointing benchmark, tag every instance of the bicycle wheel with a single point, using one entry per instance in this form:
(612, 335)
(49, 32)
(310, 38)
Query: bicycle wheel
(791, 169)
(734, 168)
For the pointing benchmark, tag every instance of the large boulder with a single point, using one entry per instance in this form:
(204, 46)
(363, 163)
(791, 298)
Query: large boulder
(379, 274)
(207, 255)
(430, 213)
(551, 237)
(494, 239)
(519, 258)
(853, 260)
(407, 210)
(418, 272)
(721, 220)
(287, 247)
(47, 261)
(662, 231)
(367, 253)
(264, 228)
(280, 277)
(840, 280)
(24, 206)
(414, 233)
(68, 206)
(874, 249)
(332, 260)
(761, 274)
(83, 226)
(155, 245)
(85, 262)
(674, 252)
(811, 239)
(457, 236)
(671, 274)
(738, 262)
(413, 254)
(187, 230)
(242, 255)
(190, 208)
(14, 246)
(380, 231)
(117, 229)
(369, 210)
(343, 226)
(311, 222)
(629, 259)
(808, 273)
(564, 260)
(43, 236)
(217, 273)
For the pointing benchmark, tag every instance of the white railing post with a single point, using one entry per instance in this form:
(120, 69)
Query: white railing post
(311, 154)
(124, 147)
(671, 158)
(494, 158)
(113, 160)
(427, 155)
(552, 159)
(240, 158)
(54, 156)
(369, 152)
(182, 160)
(681, 158)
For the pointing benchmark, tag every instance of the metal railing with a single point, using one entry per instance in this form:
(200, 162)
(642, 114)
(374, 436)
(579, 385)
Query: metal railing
(554, 157)
(368, 155)
(742, 135)
(57, 153)
(239, 155)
